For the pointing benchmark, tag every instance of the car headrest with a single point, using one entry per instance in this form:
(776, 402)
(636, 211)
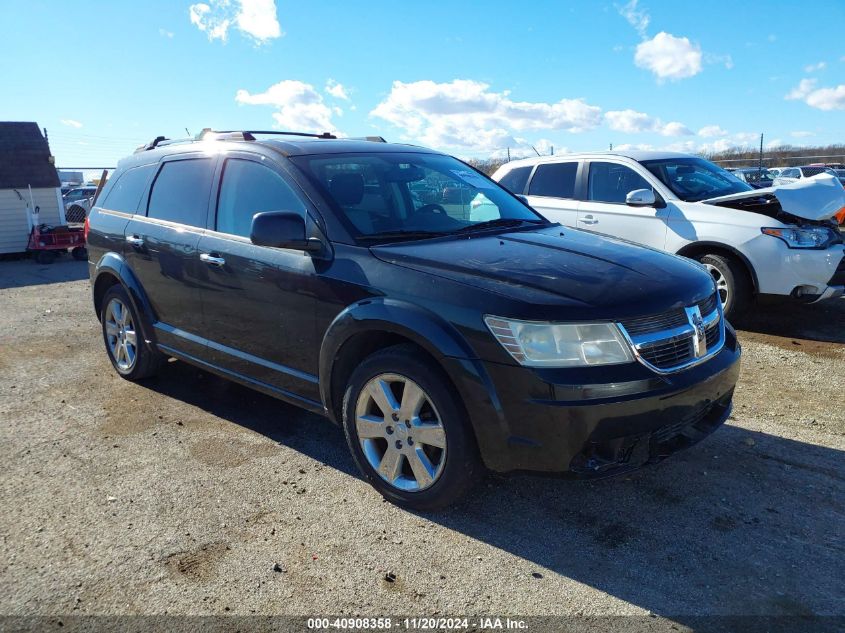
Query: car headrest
(347, 189)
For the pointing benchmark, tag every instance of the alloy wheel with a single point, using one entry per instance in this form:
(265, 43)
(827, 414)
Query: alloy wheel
(400, 432)
(721, 284)
(121, 336)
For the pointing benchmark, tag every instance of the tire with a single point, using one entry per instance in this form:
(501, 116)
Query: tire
(79, 253)
(46, 256)
(732, 283)
(420, 474)
(130, 355)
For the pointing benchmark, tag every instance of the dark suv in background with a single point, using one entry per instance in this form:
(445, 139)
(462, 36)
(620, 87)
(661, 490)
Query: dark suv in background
(346, 277)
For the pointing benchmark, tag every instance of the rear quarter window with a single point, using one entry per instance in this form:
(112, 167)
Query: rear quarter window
(125, 194)
(516, 179)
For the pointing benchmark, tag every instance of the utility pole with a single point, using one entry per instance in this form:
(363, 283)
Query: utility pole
(760, 168)
(611, 147)
(552, 151)
(509, 154)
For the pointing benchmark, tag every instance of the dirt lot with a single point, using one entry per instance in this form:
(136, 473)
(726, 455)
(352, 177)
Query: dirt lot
(182, 495)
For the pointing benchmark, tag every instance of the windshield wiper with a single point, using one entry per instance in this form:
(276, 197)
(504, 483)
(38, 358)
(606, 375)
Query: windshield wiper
(500, 223)
(400, 235)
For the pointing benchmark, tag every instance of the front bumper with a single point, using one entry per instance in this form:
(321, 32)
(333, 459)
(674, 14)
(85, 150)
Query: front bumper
(598, 421)
(805, 274)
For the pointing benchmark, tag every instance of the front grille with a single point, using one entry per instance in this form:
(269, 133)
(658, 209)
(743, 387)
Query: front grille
(668, 354)
(666, 320)
(665, 433)
(667, 342)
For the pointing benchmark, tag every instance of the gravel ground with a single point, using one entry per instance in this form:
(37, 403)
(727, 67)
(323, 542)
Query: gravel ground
(192, 495)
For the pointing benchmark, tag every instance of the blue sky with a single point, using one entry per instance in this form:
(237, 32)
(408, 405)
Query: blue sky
(471, 78)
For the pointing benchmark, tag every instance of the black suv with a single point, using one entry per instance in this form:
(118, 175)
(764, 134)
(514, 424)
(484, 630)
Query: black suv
(445, 332)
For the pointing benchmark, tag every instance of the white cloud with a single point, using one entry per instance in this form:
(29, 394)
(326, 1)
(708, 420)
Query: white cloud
(337, 90)
(744, 138)
(811, 68)
(71, 123)
(801, 134)
(622, 147)
(669, 57)
(465, 114)
(777, 142)
(772, 37)
(804, 88)
(819, 98)
(299, 106)
(711, 131)
(636, 17)
(254, 18)
(525, 149)
(166, 33)
(633, 122)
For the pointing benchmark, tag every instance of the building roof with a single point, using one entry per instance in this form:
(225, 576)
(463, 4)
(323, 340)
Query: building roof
(25, 157)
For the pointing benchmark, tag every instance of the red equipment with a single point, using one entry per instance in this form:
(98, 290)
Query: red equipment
(46, 242)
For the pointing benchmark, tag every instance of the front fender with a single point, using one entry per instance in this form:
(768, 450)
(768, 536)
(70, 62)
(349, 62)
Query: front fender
(113, 264)
(437, 337)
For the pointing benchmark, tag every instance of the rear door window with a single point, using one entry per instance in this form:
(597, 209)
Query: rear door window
(611, 182)
(556, 180)
(180, 191)
(515, 180)
(126, 192)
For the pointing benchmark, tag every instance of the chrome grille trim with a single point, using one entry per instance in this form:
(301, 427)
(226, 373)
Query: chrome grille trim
(672, 349)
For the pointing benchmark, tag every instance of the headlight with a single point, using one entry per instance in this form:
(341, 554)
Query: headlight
(536, 344)
(811, 237)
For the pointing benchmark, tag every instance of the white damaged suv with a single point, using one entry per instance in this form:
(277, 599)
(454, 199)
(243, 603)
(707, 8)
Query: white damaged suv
(774, 241)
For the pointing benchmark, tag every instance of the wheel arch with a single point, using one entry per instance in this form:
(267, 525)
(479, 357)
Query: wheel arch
(371, 325)
(697, 249)
(111, 270)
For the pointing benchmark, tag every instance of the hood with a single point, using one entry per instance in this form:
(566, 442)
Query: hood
(558, 266)
(817, 198)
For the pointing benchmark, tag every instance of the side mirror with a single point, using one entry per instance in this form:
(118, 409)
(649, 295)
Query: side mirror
(640, 198)
(282, 229)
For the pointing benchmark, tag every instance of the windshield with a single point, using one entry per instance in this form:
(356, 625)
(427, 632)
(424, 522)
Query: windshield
(412, 196)
(693, 179)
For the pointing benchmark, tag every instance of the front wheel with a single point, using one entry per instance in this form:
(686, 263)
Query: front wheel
(407, 430)
(732, 283)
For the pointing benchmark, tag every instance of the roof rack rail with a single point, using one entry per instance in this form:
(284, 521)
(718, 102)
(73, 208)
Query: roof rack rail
(160, 141)
(372, 139)
(249, 135)
(151, 145)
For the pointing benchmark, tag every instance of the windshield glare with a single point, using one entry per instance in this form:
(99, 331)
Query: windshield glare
(693, 179)
(390, 193)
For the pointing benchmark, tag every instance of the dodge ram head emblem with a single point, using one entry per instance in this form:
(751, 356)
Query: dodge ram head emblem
(699, 336)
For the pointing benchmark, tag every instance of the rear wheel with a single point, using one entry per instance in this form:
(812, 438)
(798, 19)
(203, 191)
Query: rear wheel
(130, 354)
(408, 431)
(79, 253)
(732, 283)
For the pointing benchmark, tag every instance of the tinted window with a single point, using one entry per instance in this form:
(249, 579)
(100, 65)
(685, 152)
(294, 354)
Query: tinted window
(180, 192)
(610, 182)
(694, 179)
(554, 179)
(515, 179)
(249, 188)
(127, 190)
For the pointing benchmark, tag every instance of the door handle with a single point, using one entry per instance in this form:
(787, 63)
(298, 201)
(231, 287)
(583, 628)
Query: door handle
(212, 260)
(588, 219)
(134, 240)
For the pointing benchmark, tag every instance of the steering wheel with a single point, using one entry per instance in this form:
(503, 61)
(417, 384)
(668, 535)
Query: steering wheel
(431, 208)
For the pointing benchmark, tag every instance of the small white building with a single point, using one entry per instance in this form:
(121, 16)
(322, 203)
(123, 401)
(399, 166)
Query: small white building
(26, 163)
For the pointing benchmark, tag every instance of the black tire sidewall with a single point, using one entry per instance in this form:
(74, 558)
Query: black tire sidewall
(735, 279)
(461, 468)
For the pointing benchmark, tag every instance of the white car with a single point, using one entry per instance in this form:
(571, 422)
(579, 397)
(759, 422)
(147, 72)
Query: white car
(78, 203)
(792, 174)
(773, 241)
